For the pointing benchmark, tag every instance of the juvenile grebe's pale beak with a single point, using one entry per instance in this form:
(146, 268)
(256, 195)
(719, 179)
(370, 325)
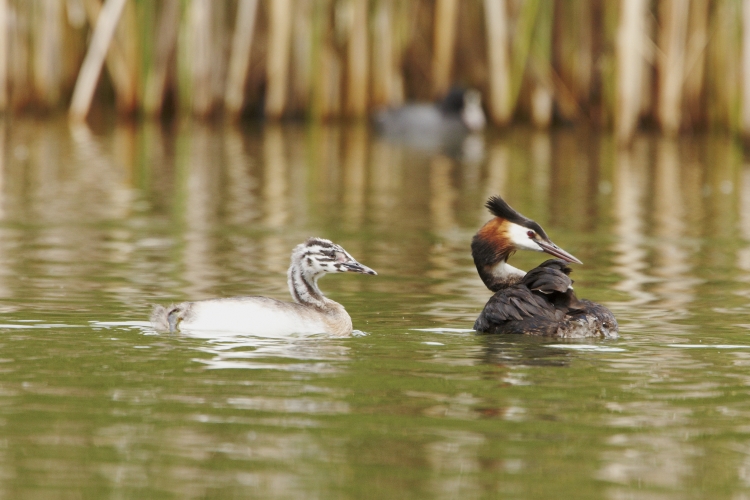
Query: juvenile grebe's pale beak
(556, 251)
(356, 267)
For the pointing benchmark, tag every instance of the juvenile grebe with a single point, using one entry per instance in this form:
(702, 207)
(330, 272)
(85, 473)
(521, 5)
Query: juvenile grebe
(311, 311)
(540, 302)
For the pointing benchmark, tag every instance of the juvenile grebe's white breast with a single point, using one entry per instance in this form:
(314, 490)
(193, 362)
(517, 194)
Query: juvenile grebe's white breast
(262, 316)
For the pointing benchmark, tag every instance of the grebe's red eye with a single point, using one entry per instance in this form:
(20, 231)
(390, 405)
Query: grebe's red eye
(531, 234)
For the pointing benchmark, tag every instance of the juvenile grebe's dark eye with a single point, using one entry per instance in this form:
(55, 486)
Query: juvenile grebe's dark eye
(531, 234)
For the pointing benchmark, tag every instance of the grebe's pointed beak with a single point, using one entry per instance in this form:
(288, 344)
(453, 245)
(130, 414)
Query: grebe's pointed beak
(556, 251)
(356, 267)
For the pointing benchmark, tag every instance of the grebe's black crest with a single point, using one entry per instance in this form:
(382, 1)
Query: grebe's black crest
(500, 208)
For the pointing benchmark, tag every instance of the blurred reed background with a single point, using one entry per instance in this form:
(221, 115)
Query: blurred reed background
(673, 64)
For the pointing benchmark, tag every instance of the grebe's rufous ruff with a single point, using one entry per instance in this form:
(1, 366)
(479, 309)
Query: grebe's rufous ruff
(311, 311)
(540, 302)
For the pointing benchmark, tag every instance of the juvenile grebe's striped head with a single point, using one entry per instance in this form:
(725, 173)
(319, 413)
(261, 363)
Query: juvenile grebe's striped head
(510, 231)
(318, 256)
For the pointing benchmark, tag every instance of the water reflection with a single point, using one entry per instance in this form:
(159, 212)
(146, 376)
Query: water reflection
(522, 352)
(673, 259)
(96, 225)
(630, 207)
(454, 460)
(314, 354)
(239, 203)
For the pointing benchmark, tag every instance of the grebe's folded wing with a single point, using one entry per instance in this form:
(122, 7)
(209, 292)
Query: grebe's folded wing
(516, 303)
(547, 280)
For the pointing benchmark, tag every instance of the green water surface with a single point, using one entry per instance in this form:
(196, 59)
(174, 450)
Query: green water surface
(97, 224)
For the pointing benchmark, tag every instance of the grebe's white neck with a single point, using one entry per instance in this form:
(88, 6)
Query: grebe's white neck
(503, 271)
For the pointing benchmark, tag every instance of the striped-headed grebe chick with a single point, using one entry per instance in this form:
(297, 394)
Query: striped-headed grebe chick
(540, 302)
(311, 311)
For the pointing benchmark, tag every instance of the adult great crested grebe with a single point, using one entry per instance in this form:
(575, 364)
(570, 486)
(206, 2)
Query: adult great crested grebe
(540, 302)
(311, 311)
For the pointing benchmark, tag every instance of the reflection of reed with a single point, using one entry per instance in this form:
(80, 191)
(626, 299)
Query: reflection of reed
(274, 178)
(384, 181)
(355, 159)
(275, 208)
(454, 459)
(325, 149)
(743, 255)
(498, 166)
(629, 206)
(200, 210)
(654, 453)
(442, 207)
(5, 242)
(95, 185)
(541, 164)
(3, 201)
(241, 203)
(672, 260)
(442, 195)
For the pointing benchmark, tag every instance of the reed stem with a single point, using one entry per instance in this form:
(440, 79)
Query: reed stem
(521, 46)
(541, 63)
(498, 61)
(277, 66)
(239, 62)
(382, 54)
(166, 41)
(357, 61)
(333, 58)
(630, 67)
(115, 60)
(444, 41)
(200, 58)
(92, 63)
(671, 63)
(48, 52)
(695, 62)
(302, 60)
